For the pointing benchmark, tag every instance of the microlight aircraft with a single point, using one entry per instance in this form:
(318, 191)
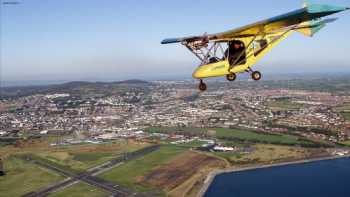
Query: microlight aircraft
(235, 51)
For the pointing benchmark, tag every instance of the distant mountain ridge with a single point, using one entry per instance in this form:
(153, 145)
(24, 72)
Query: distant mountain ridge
(74, 87)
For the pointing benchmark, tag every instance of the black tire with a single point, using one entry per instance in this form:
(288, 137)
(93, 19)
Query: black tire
(256, 75)
(231, 77)
(202, 87)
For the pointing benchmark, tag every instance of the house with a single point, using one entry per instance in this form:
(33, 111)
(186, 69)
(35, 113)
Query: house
(44, 132)
(223, 149)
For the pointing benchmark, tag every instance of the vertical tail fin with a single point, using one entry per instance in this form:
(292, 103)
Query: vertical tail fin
(310, 28)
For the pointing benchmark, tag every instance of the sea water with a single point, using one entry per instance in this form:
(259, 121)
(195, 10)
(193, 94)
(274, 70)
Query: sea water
(328, 178)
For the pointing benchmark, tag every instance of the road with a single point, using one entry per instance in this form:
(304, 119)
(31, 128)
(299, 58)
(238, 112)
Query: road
(89, 176)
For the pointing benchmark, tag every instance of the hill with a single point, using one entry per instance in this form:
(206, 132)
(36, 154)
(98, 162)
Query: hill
(77, 88)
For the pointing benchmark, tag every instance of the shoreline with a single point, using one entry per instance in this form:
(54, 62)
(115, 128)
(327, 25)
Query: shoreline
(211, 176)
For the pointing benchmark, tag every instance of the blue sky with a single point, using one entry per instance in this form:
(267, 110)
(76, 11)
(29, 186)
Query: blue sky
(115, 40)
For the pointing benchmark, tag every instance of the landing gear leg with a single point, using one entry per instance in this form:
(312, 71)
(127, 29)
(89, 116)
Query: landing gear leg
(202, 86)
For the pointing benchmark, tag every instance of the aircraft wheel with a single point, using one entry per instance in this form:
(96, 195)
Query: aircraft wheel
(256, 75)
(231, 77)
(202, 86)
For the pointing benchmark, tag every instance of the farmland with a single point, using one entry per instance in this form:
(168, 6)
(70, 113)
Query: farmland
(180, 175)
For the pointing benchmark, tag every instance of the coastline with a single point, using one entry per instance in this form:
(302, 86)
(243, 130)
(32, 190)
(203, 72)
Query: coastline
(211, 176)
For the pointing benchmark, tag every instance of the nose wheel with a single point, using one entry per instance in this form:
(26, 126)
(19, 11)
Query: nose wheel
(202, 86)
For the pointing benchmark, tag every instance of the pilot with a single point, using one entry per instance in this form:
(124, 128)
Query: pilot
(234, 53)
(237, 46)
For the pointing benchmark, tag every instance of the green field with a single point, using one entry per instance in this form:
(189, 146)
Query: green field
(344, 110)
(344, 107)
(78, 158)
(91, 157)
(234, 143)
(23, 177)
(229, 156)
(193, 144)
(80, 190)
(284, 105)
(235, 135)
(47, 159)
(346, 115)
(185, 130)
(257, 137)
(346, 143)
(128, 173)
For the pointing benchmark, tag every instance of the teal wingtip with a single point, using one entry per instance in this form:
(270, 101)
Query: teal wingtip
(319, 8)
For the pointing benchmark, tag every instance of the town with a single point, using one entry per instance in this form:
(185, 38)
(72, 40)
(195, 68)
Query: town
(176, 104)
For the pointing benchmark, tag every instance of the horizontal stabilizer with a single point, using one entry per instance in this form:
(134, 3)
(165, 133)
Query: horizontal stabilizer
(176, 40)
(171, 40)
(310, 28)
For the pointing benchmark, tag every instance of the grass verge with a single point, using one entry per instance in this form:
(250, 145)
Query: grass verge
(80, 190)
(24, 177)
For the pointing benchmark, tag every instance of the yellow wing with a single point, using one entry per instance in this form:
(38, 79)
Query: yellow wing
(306, 17)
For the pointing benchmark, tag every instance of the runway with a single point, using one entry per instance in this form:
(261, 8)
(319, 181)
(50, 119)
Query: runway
(89, 176)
